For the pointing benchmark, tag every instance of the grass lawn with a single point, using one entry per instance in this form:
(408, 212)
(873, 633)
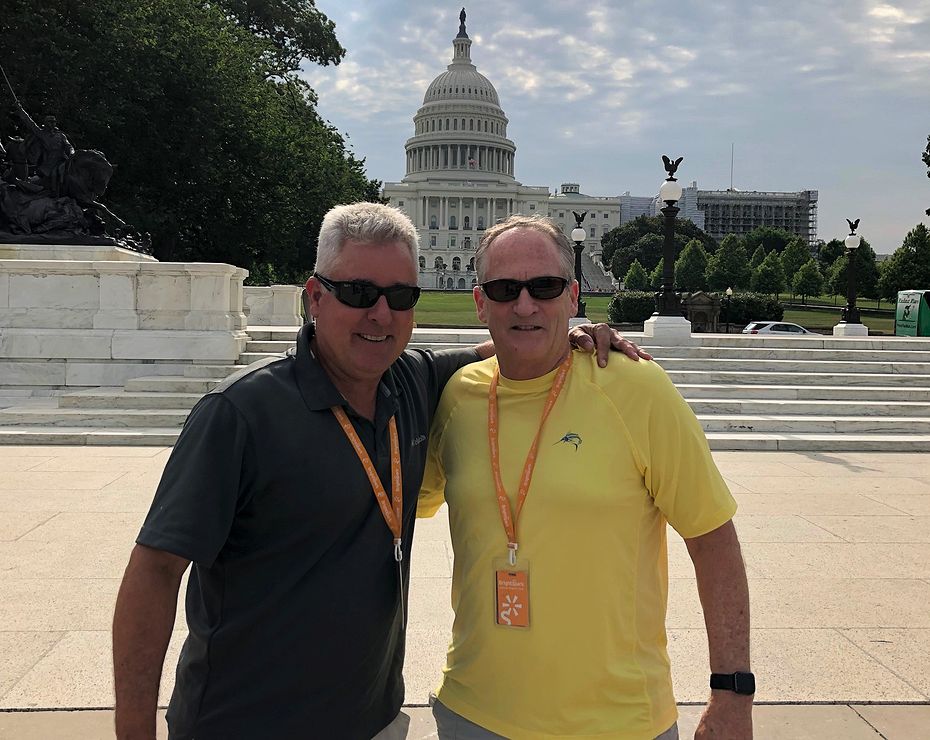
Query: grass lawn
(458, 308)
(822, 319)
(454, 308)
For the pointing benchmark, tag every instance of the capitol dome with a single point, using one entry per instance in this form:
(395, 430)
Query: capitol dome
(460, 131)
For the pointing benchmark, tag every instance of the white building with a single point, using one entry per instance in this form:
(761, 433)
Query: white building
(460, 179)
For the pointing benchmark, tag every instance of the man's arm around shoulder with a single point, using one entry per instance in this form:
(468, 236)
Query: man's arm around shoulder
(724, 592)
(142, 625)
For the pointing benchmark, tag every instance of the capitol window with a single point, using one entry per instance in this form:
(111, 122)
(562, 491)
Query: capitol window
(455, 124)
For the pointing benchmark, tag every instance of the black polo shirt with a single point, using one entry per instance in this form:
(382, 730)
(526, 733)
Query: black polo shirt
(293, 602)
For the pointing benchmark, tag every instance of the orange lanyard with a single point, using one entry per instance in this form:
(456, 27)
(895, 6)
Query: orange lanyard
(391, 510)
(507, 517)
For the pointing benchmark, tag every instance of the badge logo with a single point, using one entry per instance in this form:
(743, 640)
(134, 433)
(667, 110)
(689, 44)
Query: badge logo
(572, 439)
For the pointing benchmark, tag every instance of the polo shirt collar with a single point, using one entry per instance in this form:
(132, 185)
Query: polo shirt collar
(318, 391)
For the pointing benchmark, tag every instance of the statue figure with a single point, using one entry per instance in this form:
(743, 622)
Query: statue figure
(48, 147)
(49, 192)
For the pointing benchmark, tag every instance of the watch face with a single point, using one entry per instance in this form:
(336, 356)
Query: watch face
(744, 683)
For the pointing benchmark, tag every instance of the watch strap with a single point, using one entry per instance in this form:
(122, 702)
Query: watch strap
(741, 682)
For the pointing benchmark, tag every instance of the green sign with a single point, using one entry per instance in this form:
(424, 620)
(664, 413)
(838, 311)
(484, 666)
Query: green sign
(912, 317)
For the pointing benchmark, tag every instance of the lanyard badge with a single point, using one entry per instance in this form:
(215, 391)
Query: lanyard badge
(511, 579)
(391, 510)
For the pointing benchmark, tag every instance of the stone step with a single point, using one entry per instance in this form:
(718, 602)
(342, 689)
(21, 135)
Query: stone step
(819, 442)
(247, 358)
(274, 346)
(172, 384)
(215, 372)
(802, 392)
(266, 333)
(784, 353)
(24, 435)
(117, 398)
(165, 437)
(731, 353)
(111, 418)
(800, 377)
(715, 365)
(426, 335)
(819, 407)
(787, 423)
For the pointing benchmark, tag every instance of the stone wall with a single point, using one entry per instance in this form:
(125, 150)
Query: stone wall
(88, 323)
(273, 305)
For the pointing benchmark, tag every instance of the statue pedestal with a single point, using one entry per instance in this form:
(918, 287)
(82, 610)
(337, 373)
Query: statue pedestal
(67, 323)
(80, 252)
(273, 305)
(843, 329)
(668, 329)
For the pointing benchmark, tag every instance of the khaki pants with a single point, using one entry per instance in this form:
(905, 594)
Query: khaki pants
(454, 726)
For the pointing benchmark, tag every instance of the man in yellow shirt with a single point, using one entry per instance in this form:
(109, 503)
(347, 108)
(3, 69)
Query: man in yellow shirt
(560, 478)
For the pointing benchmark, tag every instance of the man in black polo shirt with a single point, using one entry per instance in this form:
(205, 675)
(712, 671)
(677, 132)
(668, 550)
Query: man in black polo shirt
(295, 603)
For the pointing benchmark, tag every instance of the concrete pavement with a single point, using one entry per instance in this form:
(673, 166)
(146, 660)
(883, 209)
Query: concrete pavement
(837, 547)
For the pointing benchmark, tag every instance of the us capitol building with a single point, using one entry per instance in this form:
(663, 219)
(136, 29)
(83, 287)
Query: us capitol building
(460, 179)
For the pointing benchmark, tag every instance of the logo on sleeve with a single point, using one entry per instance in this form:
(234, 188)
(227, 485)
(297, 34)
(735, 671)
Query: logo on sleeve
(572, 439)
(418, 440)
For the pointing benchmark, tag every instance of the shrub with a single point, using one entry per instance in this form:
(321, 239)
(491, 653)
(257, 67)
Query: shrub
(631, 307)
(746, 307)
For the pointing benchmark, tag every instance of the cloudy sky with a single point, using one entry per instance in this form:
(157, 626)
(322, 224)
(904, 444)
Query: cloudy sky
(832, 95)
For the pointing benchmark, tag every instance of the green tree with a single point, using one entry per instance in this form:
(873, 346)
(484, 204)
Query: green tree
(691, 266)
(807, 280)
(219, 156)
(769, 238)
(647, 250)
(729, 267)
(293, 29)
(636, 277)
(795, 255)
(623, 240)
(769, 276)
(829, 253)
(866, 273)
(757, 256)
(909, 266)
(655, 277)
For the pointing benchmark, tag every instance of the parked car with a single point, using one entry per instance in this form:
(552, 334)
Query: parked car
(774, 327)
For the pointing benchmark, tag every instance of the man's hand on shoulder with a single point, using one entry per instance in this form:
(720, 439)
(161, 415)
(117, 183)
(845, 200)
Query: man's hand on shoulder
(728, 716)
(602, 338)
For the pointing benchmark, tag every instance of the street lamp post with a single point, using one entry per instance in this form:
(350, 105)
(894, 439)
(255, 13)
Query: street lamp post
(850, 321)
(667, 322)
(726, 307)
(578, 236)
(667, 302)
(850, 314)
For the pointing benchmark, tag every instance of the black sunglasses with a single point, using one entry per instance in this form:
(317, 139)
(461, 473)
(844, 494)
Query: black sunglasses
(362, 294)
(541, 288)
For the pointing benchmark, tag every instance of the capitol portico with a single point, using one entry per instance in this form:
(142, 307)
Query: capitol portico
(460, 177)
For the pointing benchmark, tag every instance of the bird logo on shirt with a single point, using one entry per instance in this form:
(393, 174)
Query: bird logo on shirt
(572, 439)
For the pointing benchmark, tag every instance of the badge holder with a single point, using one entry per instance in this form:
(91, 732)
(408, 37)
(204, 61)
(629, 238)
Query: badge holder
(511, 593)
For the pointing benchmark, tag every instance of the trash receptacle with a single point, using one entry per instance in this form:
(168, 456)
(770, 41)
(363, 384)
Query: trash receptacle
(912, 316)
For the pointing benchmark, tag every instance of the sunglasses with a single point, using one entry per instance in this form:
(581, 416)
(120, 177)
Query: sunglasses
(541, 288)
(362, 294)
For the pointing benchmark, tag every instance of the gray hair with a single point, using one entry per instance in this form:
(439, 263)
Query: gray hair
(369, 223)
(536, 222)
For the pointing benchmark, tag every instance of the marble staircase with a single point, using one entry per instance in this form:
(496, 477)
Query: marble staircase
(749, 392)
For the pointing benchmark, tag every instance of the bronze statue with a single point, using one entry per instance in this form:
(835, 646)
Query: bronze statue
(49, 191)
